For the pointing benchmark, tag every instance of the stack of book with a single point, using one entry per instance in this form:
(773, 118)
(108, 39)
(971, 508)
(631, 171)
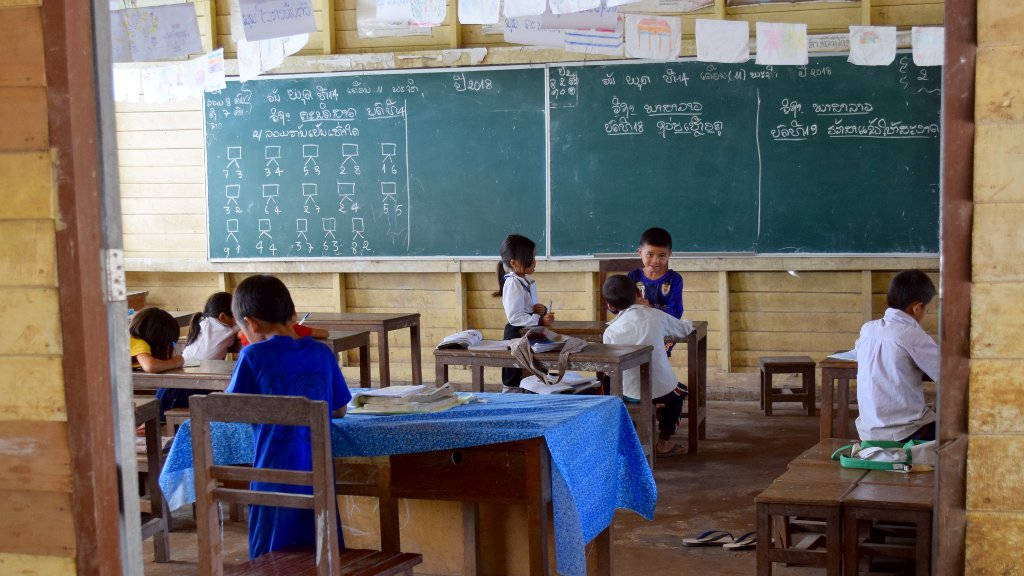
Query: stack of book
(572, 383)
(406, 400)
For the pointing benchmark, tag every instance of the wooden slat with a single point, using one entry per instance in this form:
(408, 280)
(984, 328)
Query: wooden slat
(29, 321)
(44, 400)
(36, 523)
(27, 257)
(34, 456)
(999, 163)
(23, 117)
(160, 139)
(36, 565)
(997, 320)
(149, 121)
(22, 64)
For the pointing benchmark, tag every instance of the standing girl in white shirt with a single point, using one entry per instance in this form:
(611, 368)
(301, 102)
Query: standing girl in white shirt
(519, 297)
(212, 333)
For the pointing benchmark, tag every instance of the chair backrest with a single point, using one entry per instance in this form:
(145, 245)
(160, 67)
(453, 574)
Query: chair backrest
(263, 409)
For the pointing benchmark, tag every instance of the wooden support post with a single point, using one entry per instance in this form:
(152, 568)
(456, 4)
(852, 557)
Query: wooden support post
(596, 301)
(208, 9)
(865, 12)
(327, 7)
(725, 330)
(720, 9)
(224, 282)
(866, 295)
(338, 292)
(456, 41)
(461, 304)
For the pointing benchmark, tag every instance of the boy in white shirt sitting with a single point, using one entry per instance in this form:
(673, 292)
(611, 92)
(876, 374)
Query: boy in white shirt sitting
(892, 354)
(638, 324)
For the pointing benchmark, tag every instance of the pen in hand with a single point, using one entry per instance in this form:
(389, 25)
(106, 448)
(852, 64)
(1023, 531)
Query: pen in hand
(304, 316)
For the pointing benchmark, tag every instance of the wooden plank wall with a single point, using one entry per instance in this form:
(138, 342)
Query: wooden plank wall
(36, 533)
(995, 506)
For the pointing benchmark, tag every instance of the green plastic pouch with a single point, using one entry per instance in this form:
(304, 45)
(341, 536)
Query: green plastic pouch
(877, 455)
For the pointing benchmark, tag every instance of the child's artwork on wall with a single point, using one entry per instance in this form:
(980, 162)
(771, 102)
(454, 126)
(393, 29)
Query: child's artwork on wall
(479, 11)
(653, 37)
(154, 33)
(781, 44)
(516, 8)
(266, 19)
(929, 45)
(723, 40)
(570, 6)
(872, 45)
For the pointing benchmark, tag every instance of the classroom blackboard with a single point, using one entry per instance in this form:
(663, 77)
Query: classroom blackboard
(415, 164)
(823, 158)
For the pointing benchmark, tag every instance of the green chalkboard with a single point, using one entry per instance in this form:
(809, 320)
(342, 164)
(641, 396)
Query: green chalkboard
(416, 164)
(824, 158)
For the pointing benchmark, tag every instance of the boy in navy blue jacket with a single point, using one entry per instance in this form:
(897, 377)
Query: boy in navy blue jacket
(661, 287)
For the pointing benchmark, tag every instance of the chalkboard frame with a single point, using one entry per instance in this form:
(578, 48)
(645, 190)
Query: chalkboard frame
(547, 252)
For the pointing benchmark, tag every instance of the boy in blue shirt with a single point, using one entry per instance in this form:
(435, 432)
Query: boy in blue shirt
(661, 287)
(278, 363)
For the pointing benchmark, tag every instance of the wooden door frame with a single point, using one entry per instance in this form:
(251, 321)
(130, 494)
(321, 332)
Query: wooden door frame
(80, 125)
(950, 517)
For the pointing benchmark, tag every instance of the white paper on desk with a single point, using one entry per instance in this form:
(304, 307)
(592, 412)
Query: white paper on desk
(265, 19)
(603, 42)
(517, 8)
(479, 11)
(593, 19)
(570, 6)
(653, 37)
(527, 30)
(872, 45)
(127, 84)
(723, 40)
(929, 44)
(850, 356)
(781, 44)
(155, 33)
(427, 13)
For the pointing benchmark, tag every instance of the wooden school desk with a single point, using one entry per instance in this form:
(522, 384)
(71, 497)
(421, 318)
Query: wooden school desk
(147, 414)
(696, 369)
(612, 360)
(836, 373)
(381, 323)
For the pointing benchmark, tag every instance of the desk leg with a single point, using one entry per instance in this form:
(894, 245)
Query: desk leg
(384, 358)
(646, 425)
(827, 379)
(478, 378)
(157, 504)
(599, 554)
(417, 361)
(843, 408)
(470, 541)
(440, 372)
(693, 397)
(702, 406)
(364, 365)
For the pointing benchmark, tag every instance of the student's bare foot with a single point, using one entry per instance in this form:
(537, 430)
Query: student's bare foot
(668, 449)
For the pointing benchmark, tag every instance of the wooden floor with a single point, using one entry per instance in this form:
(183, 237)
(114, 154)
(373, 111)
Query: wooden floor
(713, 489)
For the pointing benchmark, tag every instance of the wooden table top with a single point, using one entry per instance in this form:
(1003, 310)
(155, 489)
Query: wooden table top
(597, 327)
(809, 494)
(212, 375)
(378, 320)
(820, 472)
(913, 478)
(341, 340)
(889, 496)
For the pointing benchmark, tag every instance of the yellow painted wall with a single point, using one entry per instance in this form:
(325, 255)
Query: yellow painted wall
(995, 518)
(37, 532)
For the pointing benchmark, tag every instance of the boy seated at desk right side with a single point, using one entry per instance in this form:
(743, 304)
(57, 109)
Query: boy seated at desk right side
(639, 324)
(892, 354)
(276, 362)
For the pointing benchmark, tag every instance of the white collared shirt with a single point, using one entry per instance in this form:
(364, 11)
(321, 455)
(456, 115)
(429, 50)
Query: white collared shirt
(213, 341)
(892, 354)
(518, 295)
(639, 325)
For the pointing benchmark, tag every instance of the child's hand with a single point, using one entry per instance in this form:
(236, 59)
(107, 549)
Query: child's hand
(547, 319)
(540, 309)
(180, 360)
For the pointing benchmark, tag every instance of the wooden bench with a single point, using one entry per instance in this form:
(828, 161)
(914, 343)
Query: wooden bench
(772, 365)
(786, 499)
(869, 504)
(327, 559)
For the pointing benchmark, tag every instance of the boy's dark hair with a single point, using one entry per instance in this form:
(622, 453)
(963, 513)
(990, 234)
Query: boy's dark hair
(158, 328)
(619, 292)
(263, 297)
(514, 247)
(910, 286)
(656, 237)
(218, 303)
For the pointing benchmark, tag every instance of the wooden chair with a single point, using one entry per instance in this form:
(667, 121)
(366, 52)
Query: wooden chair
(327, 559)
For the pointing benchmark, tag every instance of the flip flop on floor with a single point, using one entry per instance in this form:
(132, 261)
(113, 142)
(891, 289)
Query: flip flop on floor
(675, 450)
(745, 542)
(709, 538)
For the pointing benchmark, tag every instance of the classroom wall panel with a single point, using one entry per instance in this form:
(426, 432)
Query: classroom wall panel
(999, 163)
(36, 565)
(44, 400)
(28, 185)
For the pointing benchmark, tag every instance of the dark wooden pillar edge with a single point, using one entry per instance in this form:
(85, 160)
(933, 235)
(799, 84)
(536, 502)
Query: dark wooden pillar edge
(73, 135)
(957, 212)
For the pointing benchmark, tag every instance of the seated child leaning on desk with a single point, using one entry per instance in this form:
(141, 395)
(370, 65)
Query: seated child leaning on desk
(278, 363)
(892, 353)
(638, 324)
(151, 338)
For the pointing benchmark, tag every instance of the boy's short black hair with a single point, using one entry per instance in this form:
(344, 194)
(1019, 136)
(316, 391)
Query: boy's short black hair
(656, 237)
(265, 298)
(910, 286)
(619, 292)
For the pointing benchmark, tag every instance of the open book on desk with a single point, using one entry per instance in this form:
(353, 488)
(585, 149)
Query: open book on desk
(406, 400)
(850, 356)
(471, 340)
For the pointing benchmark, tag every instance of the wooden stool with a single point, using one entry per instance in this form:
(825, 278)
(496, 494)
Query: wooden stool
(787, 365)
(174, 418)
(870, 503)
(783, 500)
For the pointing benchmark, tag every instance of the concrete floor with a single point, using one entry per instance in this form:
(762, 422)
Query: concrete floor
(713, 489)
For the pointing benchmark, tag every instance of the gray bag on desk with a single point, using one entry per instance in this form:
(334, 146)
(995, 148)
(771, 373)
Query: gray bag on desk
(523, 353)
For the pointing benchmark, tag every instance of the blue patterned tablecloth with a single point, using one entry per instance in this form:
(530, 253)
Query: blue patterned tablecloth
(597, 462)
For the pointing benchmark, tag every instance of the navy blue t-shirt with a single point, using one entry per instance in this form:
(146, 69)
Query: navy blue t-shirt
(665, 293)
(296, 367)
